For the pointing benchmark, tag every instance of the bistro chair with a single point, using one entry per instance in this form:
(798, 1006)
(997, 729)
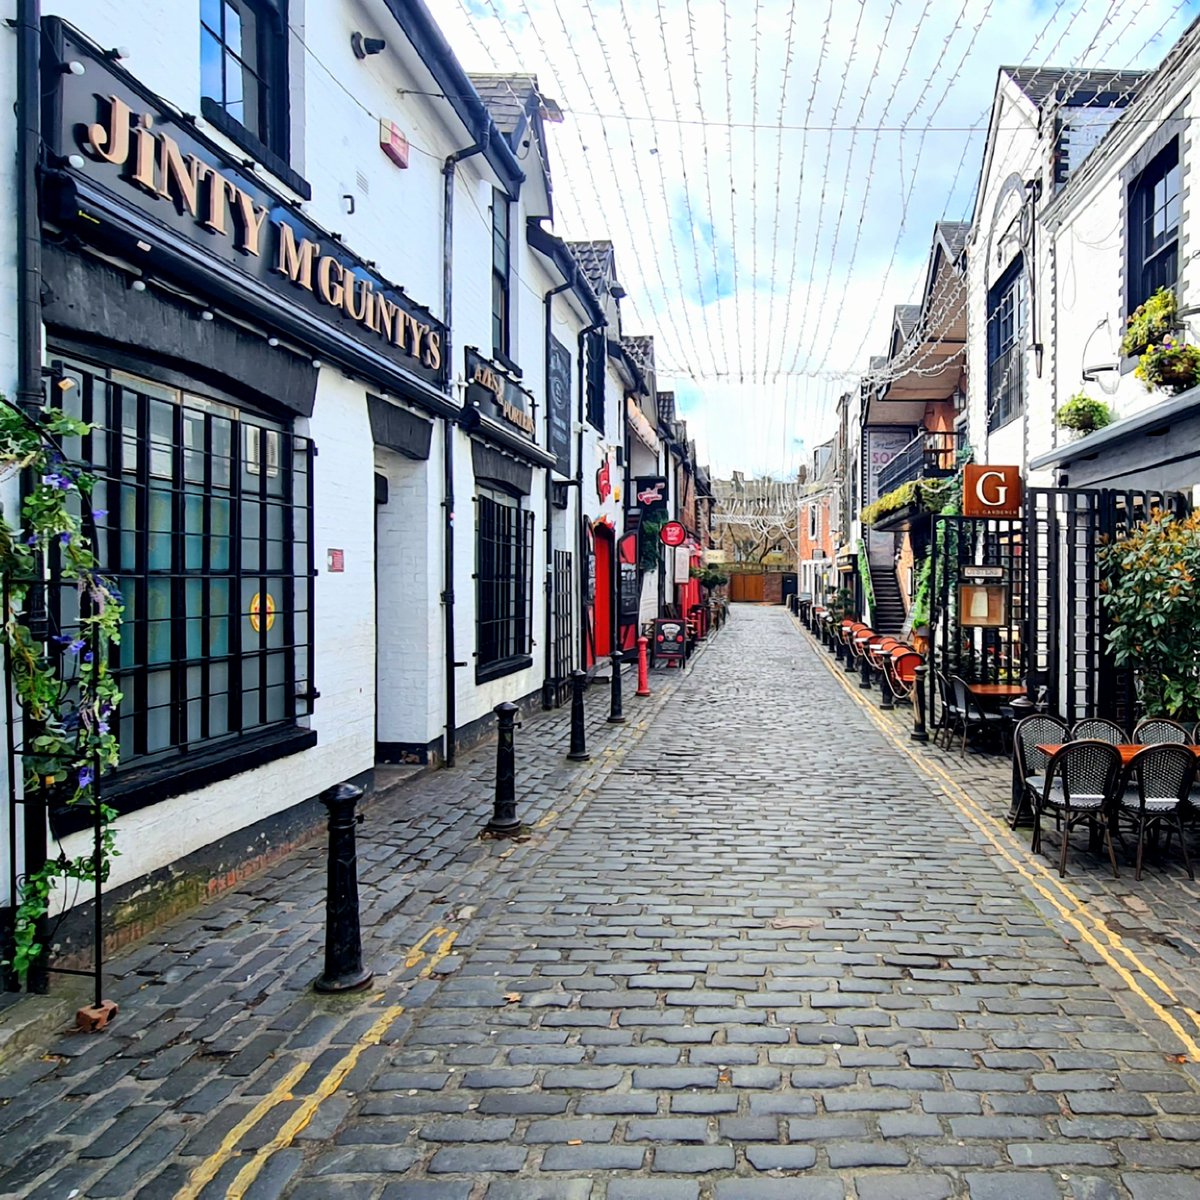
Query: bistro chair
(1159, 731)
(1081, 785)
(1100, 729)
(1160, 780)
(900, 671)
(1196, 734)
(974, 716)
(950, 715)
(1029, 763)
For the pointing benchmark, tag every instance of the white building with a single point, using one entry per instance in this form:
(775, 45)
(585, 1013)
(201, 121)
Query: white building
(299, 272)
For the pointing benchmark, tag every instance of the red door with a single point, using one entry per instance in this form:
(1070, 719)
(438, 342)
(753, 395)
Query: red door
(602, 610)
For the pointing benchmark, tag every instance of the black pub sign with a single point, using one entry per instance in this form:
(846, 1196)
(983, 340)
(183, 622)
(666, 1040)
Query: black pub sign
(497, 395)
(121, 149)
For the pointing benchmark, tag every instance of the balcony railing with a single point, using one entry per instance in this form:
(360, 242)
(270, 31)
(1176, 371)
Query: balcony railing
(930, 455)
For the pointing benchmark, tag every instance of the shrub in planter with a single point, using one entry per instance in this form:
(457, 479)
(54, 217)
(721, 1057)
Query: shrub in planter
(1151, 596)
(1150, 322)
(1083, 414)
(1171, 365)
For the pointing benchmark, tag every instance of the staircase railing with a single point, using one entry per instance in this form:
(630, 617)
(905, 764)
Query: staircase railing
(932, 454)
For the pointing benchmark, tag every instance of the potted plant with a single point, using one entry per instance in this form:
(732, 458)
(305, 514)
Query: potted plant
(1081, 414)
(1150, 322)
(1150, 593)
(1169, 364)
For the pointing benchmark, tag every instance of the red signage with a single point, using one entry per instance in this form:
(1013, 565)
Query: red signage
(991, 491)
(673, 534)
(603, 482)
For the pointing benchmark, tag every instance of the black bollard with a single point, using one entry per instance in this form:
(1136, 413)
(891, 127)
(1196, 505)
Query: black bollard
(578, 751)
(886, 699)
(504, 821)
(919, 733)
(864, 671)
(344, 970)
(615, 715)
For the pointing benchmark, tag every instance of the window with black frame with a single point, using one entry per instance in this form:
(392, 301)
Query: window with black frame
(204, 518)
(243, 69)
(1006, 333)
(500, 274)
(1154, 211)
(503, 585)
(597, 371)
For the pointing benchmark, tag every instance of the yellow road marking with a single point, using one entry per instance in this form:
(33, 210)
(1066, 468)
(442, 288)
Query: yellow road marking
(307, 1110)
(283, 1090)
(548, 819)
(1073, 911)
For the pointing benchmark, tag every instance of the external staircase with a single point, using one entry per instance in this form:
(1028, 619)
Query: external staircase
(889, 614)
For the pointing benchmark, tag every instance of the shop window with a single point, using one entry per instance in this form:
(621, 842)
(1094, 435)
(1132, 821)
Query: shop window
(1006, 334)
(243, 72)
(1154, 208)
(501, 309)
(503, 585)
(207, 530)
(597, 370)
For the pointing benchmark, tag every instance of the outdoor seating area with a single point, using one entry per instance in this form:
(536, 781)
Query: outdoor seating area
(879, 660)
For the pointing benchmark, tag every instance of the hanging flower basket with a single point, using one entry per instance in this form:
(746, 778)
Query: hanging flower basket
(1171, 365)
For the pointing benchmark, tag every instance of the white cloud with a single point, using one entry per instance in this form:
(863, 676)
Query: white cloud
(766, 261)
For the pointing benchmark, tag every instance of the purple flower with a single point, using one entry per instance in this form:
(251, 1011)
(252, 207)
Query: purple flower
(86, 777)
(64, 539)
(103, 727)
(88, 657)
(77, 645)
(31, 540)
(55, 480)
(99, 514)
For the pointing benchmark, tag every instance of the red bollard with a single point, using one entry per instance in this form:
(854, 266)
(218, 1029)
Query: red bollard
(643, 687)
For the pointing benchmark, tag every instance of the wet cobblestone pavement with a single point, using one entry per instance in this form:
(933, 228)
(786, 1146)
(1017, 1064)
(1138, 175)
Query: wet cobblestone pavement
(752, 951)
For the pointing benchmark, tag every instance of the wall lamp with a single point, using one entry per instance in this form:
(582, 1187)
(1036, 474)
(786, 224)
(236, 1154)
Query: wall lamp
(364, 46)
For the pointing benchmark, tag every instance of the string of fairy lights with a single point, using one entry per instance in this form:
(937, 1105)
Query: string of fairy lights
(762, 176)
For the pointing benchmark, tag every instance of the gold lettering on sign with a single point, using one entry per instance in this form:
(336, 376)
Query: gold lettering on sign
(328, 288)
(387, 316)
(252, 217)
(434, 361)
(360, 287)
(111, 142)
(185, 176)
(144, 143)
(296, 262)
(219, 189)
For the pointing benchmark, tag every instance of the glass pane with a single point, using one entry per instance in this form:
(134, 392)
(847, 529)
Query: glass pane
(210, 67)
(195, 712)
(233, 88)
(218, 636)
(222, 451)
(158, 642)
(250, 716)
(233, 25)
(193, 442)
(276, 703)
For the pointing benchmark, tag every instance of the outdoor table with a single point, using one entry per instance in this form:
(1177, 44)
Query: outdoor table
(1127, 751)
(996, 691)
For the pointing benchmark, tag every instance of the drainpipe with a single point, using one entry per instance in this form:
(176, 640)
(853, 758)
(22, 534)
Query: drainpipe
(448, 170)
(579, 547)
(29, 347)
(549, 571)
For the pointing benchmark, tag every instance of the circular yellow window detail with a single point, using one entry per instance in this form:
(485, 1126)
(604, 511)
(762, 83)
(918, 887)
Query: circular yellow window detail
(256, 608)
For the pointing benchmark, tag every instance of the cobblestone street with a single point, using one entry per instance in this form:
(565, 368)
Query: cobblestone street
(751, 951)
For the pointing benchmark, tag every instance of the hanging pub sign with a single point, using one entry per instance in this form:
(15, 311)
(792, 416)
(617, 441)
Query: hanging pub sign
(672, 534)
(133, 173)
(604, 482)
(970, 573)
(650, 492)
(558, 391)
(670, 639)
(991, 491)
(497, 395)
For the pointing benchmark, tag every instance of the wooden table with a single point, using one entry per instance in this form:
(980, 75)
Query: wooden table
(1126, 751)
(996, 691)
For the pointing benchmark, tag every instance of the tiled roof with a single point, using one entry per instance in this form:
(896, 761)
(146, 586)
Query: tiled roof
(1044, 84)
(595, 259)
(506, 97)
(955, 234)
(906, 317)
(641, 349)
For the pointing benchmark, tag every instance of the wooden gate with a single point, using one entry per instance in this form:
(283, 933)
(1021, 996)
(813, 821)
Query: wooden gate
(746, 589)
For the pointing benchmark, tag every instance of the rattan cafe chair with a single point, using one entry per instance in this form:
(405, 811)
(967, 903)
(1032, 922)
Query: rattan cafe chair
(1159, 731)
(1100, 729)
(1029, 763)
(1160, 779)
(1082, 782)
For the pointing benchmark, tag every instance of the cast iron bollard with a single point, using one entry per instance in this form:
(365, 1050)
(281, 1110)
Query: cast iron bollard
(919, 733)
(504, 821)
(615, 714)
(864, 670)
(643, 687)
(578, 751)
(344, 970)
(886, 699)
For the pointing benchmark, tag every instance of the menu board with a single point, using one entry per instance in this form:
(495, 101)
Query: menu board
(631, 593)
(670, 639)
(558, 388)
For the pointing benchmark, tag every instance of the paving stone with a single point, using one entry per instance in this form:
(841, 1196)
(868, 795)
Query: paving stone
(1161, 1186)
(540, 1189)
(455, 1129)
(1012, 1185)
(865, 1154)
(904, 1187)
(780, 1189)
(570, 1129)
(695, 1160)
(413, 1189)
(652, 1189)
(768, 1157)
(667, 1129)
(476, 1160)
(593, 1158)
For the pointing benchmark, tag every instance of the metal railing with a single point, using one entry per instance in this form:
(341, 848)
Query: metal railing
(930, 455)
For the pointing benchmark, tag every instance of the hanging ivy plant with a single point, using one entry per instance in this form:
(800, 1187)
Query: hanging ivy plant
(67, 696)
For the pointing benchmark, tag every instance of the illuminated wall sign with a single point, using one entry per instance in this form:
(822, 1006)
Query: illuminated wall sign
(991, 491)
(137, 152)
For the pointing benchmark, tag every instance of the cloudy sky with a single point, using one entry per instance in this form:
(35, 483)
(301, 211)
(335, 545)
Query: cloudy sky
(770, 172)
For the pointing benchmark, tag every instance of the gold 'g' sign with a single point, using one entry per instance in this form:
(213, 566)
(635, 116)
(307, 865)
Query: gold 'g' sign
(257, 603)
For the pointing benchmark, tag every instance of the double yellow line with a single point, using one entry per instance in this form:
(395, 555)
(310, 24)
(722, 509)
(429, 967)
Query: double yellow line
(282, 1092)
(1074, 911)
